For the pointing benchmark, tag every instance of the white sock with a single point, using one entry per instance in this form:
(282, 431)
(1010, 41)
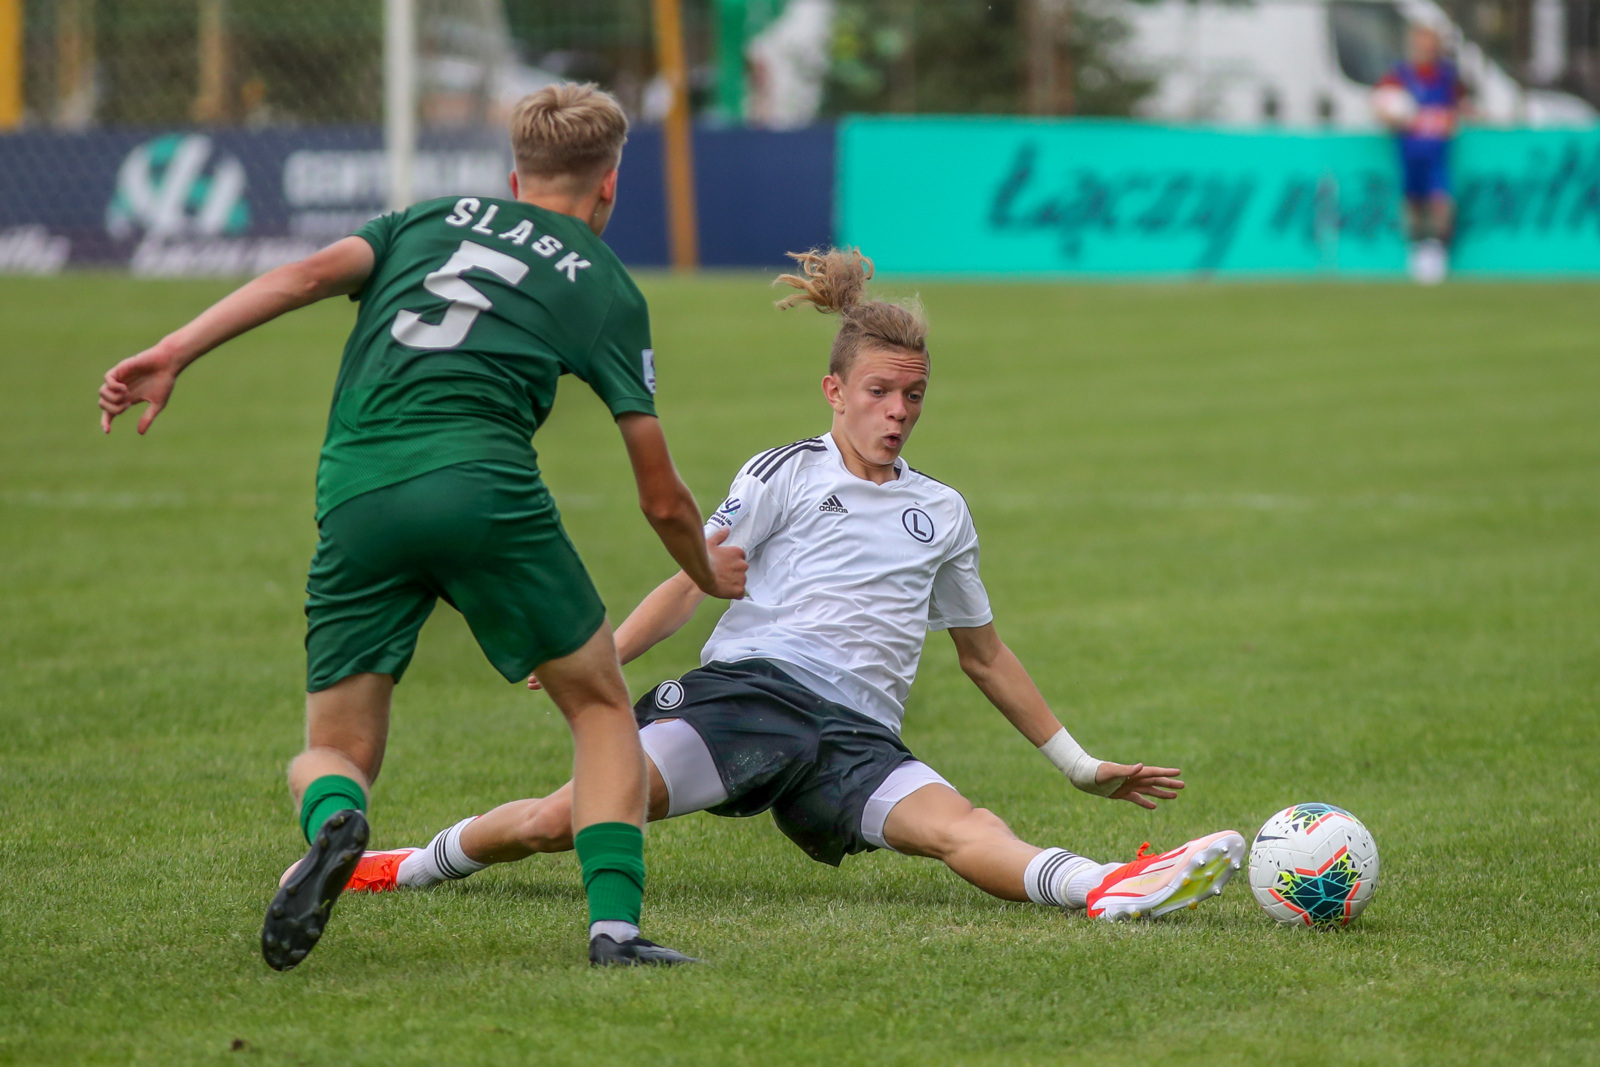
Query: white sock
(1079, 884)
(615, 929)
(1061, 879)
(442, 861)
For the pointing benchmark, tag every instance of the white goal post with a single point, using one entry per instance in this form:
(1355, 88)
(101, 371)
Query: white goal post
(400, 99)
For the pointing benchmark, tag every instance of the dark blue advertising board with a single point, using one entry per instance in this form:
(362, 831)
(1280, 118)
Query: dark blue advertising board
(198, 202)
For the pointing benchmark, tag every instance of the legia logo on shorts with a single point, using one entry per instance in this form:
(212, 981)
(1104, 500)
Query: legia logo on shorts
(669, 695)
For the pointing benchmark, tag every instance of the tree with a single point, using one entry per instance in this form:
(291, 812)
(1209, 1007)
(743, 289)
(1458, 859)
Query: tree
(963, 57)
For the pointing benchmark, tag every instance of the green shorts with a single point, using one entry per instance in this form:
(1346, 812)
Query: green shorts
(486, 537)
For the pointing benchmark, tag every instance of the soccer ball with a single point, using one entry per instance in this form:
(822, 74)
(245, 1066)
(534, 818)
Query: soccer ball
(1313, 865)
(1395, 107)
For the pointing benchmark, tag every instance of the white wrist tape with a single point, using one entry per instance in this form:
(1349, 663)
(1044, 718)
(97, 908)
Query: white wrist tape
(1079, 767)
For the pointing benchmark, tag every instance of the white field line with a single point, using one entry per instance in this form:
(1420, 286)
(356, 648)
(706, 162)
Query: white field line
(104, 500)
(1037, 501)
(112, 500)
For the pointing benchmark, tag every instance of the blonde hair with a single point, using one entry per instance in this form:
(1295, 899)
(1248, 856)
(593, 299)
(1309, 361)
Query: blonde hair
(834, 282)
(568, 131)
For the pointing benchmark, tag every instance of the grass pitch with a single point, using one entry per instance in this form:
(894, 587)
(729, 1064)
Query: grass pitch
(1307, 543)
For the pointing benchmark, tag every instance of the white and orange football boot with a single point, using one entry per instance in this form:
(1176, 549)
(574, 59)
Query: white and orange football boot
(376, 872)
(1152, 886)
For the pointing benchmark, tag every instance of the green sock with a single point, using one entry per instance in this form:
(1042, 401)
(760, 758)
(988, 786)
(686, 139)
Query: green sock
(612, 856)
(326, 795)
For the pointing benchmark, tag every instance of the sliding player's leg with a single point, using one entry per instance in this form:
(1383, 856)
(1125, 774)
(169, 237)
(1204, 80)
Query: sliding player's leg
(347, 728)
(523, 828)
(936, 821)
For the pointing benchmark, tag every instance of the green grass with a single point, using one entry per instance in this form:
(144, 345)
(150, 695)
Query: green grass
(1335, 543)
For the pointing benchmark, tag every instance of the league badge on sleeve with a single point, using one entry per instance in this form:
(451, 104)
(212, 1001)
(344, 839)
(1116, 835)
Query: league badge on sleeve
(724, 516)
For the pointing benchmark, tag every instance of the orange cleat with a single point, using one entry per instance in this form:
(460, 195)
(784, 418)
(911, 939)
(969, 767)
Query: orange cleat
(1152, 886)
(376, 872)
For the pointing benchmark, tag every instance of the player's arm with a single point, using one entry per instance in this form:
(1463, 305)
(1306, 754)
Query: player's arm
(660, 615)
(997, 671)
(669, 506)
(338, 270)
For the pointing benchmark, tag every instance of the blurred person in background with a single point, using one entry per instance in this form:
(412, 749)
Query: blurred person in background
(1422, 100)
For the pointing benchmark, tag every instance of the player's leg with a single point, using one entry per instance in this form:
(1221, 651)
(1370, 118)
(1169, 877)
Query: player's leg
(347, 726)
(513, 831)
(682, 779)
(504, 561)
(745, 723)
(347, 729)
(1442, 216)
(608, 797)
(363, 609)
(524, 828)
(933, 819)
(1416, 219)
(938, 822)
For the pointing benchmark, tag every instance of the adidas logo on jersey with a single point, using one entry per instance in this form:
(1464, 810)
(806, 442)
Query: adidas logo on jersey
(833, 506)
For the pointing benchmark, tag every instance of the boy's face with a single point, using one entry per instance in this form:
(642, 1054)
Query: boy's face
(1424, 45)
(878, 403)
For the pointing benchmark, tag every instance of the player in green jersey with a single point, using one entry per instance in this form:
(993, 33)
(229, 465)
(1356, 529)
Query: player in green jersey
(470, 311)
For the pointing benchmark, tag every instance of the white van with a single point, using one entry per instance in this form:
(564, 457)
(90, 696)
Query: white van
(1308, 63)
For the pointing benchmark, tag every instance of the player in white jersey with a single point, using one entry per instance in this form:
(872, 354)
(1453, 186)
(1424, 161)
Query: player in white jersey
(853, 557)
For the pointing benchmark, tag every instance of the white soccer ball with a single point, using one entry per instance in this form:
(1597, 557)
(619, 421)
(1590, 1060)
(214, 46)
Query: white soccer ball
(1394, 106)
(1314, 865)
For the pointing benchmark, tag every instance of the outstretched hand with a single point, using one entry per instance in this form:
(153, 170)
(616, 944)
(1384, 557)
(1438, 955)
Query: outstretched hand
(147, 378)
(1137, 783)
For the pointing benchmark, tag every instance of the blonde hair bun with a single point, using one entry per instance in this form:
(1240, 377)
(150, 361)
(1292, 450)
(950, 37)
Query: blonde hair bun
(835, 283)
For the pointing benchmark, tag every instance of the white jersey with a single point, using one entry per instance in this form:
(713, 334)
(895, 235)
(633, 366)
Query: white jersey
(846, 576)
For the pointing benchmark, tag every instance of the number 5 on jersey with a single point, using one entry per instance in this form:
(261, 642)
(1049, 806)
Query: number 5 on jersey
(466, 302)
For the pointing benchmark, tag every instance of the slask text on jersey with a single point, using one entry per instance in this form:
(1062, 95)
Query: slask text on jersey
(548, 245)
(847, 576)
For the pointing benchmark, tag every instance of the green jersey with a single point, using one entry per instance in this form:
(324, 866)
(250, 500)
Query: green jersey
(474, 309)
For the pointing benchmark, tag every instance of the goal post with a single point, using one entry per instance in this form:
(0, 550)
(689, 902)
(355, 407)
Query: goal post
(11, 99)
(400, 100)
(677, 141)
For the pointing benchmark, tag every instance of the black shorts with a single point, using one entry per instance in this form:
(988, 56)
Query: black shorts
(779, 746)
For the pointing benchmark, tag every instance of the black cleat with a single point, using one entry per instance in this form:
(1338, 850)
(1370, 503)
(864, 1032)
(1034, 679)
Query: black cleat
(299, 913)
(607, 951)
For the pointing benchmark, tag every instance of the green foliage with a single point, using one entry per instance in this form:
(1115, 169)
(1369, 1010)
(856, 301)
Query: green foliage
(953, 57)
(290, 61)
(1328, 543)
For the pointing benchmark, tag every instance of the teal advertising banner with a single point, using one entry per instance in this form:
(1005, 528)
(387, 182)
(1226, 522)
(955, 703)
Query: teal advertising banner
(1107, 197)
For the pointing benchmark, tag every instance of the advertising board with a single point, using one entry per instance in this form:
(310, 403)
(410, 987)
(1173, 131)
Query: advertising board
(238, 202)
(1112, 198)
